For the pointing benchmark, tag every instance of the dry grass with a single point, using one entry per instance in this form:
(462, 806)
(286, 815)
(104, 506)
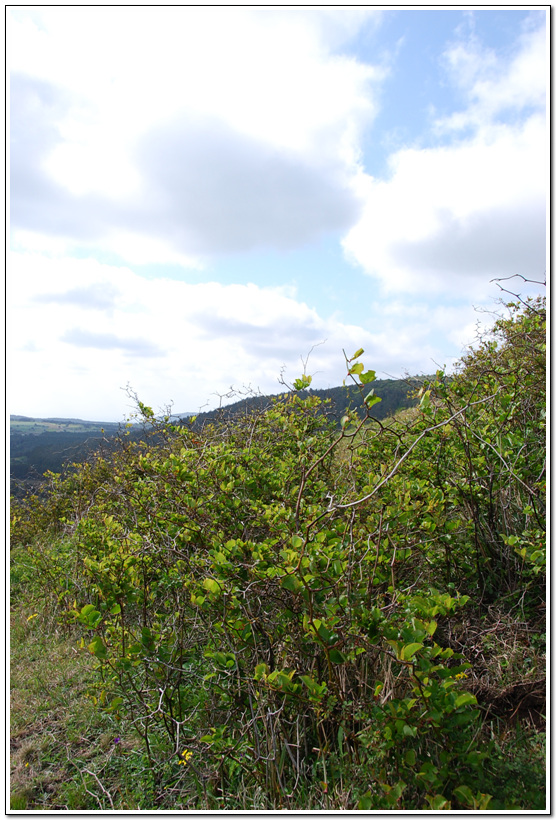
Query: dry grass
(508, 658)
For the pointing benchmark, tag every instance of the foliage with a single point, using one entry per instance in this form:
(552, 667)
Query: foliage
(395, 394)
(39, 446)
(271, 599)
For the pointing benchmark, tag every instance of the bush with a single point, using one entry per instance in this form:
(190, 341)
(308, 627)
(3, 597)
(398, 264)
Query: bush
(270, 600)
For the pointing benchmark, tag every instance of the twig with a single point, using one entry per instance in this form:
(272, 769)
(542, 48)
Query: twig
(398, 464)
(107, 793)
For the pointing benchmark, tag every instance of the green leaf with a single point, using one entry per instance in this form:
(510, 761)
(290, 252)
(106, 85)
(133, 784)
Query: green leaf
(371, 400)
(290, 582)
(208, 738)
(356, 368)
(357, 354)
(97, 648)
(365, 802)
(284, 679)
(211, 586)
(146, 411)
(369, 376)
(408, 651)
(395, 646)
(261, 670)
(336, 656)
(410, 758)
(311, 684)
(425, 401)
(147, 639)
(438, 802)
(464, 795)
(341, 735)
(324, 633)
(464, 699)
(484, 800)
(89, 616)
(303, 382)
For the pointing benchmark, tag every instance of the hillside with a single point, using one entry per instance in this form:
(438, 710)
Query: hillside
(394, 394)
(40, 445)
(276, 610)
(27, 425)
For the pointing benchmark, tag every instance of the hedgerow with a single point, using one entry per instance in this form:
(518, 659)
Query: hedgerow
(279, 605)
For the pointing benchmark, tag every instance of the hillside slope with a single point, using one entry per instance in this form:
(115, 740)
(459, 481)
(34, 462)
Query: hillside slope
(41, 445)
(287, 613)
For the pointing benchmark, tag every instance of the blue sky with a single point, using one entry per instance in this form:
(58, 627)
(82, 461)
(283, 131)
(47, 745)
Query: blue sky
(200, 197)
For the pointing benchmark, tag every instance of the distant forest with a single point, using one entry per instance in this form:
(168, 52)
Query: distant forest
(394, 394)
(32, 454)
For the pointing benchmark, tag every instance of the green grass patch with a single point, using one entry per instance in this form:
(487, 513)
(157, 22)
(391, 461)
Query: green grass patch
(60, 744)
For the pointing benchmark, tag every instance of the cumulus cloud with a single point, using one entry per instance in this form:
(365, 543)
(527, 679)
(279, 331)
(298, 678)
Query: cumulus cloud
(456, 215)
(97, 296)
(110, 341)
(487, 244)
(497, 85)
(185, 158)
(243, 132)
(38, 202)
(206, 188)
(179, 342)
(209, 189)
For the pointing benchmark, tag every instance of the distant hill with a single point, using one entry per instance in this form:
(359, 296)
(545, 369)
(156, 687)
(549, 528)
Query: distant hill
(395, 394)
(27, 425)
(40, 445)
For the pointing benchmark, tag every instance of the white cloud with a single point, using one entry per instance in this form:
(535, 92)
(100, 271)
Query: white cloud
(188, 99)
(79, 331)
(190, 136)
(453, 216)
(497, 85)
(141, 249)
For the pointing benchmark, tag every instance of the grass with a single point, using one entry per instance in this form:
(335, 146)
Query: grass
(37, 426)
(59, 741)
(64, 754)
(67, 755)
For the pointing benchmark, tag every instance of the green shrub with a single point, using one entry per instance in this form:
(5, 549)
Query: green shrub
(269, 599)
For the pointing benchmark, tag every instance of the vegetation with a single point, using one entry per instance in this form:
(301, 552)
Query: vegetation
(39, 446)
(394, 394)
(277, 612)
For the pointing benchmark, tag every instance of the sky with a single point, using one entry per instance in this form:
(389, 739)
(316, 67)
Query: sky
(208, 199)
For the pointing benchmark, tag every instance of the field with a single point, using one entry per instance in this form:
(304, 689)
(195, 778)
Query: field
(34, 427)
